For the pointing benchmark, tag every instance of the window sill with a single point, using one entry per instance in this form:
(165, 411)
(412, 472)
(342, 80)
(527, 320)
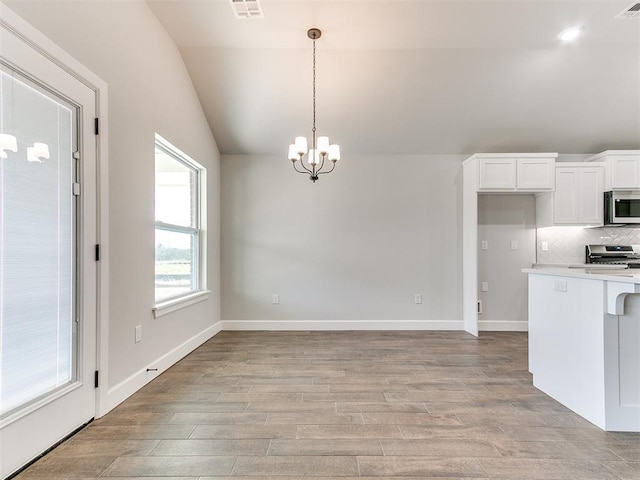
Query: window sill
(172, 305)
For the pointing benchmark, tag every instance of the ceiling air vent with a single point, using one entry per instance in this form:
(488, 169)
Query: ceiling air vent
(632, 11)
(247, 8)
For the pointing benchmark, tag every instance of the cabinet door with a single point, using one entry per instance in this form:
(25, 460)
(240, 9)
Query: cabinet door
(566, 208)
(536, 173)
(497, 174)
(590, 198)
(624, 172)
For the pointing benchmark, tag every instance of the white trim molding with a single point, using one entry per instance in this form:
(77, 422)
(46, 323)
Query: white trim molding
(503, 325)
(176, 304)
(123, 390)
(337, 325)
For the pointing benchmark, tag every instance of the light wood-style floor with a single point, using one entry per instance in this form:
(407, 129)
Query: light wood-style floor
(426, 405)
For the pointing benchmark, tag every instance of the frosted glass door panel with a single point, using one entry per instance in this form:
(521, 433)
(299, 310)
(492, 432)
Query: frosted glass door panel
(37, 260)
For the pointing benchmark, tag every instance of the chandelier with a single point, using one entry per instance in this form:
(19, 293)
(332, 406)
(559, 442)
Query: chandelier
(321, 149)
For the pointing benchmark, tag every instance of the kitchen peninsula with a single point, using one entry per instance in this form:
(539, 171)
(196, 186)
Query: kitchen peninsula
(584, 342)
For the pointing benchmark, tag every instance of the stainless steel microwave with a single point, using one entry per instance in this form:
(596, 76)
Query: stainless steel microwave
(621, 207)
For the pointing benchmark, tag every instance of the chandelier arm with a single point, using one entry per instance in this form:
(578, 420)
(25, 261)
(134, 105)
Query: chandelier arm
(328, 171)
(322, 164)
(306, 170)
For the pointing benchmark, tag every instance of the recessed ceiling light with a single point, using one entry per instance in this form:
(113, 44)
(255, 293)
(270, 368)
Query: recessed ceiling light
(570, 34)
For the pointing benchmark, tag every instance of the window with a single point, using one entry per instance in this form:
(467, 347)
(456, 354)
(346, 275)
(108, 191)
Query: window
(38, 288)
(179, 265)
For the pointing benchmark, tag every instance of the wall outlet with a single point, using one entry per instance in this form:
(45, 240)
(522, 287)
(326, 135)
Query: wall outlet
(544, 246)
(560, 285)
(275, 298)
(484, 245)
(417, 298)
(514, 244)
(138, 333)
(484, 286)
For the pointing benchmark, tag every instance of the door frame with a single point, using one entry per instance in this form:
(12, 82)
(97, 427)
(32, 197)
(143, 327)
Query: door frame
(29, 35)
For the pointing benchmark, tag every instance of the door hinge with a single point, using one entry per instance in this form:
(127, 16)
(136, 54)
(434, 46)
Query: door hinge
(96, 379)
(76, 155)
(97, 126)
(97, 252)
(76, 189)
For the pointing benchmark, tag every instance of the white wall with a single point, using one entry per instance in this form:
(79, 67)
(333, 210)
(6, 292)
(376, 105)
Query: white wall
(356, 245)
(149, 91)
(501, 219)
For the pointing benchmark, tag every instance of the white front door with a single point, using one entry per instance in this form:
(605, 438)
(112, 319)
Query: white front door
(47, 265)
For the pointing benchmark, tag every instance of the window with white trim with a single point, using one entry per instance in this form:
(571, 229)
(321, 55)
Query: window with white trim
(180, 246)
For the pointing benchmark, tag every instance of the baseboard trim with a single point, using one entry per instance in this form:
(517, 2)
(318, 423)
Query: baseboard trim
(336, 325)
(123, 390)
(503, 326)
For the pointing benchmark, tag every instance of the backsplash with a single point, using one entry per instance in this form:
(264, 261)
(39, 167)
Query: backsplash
(566, 244)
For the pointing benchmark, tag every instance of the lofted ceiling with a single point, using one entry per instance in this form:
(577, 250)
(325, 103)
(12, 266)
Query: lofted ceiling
(416, 76)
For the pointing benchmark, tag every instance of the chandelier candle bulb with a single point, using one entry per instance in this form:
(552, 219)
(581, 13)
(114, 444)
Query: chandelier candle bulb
(334, 153)
(314, 157)
(301, 145)
(293, 152)
(323, 145)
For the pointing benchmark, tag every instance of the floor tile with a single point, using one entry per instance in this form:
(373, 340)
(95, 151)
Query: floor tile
(546, 469)
(349, 431)
(553, 449)
(260, 397)
(439, 448)
(361, 407)
(244, 431)
(170, 466)
(211, 447)
(136, 432)
(420, 466)
(218, 418)
(59, 467)
(98, 447)
(335, 447)
(426, 431)
(302, 466)
(624, 470)
(289, 389)
(344, 397)
(314, 418)
(410, 419)
(269, 407)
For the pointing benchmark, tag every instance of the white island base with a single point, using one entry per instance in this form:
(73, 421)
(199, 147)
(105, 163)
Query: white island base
(584, 343)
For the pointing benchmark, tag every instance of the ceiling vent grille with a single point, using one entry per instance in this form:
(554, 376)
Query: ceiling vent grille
(247, 8)
(632, 11)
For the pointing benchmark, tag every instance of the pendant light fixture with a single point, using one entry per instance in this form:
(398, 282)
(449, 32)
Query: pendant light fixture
(320, 150)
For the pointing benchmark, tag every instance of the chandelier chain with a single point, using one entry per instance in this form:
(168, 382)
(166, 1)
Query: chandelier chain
(314, 94)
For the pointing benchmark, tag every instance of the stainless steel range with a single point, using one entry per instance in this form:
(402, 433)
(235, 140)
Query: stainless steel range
(628, 255)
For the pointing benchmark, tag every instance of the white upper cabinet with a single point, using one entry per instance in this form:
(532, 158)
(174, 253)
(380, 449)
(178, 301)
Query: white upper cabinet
(622, 169)
(535, 173)
(498, 173)
(515, 172)
(577, 199)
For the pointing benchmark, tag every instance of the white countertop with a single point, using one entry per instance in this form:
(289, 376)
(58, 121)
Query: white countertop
(630, 275)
